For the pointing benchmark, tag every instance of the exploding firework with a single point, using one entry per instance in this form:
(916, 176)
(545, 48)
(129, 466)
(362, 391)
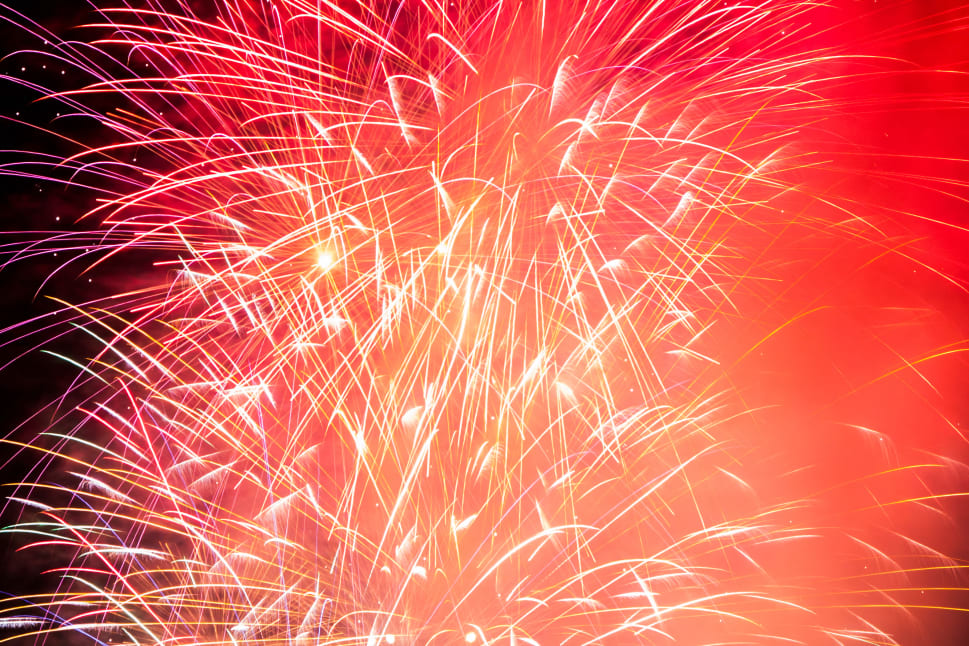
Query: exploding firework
(491, 322)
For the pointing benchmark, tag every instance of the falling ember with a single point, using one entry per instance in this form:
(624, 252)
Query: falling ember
(577, 323)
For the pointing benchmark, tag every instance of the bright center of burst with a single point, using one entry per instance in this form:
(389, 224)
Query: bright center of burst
(325, 260)
(470, 638)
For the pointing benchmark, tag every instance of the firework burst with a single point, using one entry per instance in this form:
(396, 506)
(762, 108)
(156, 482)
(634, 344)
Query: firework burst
(487, 322)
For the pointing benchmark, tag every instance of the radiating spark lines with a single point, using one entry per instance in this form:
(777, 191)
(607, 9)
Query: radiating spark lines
(458, 335)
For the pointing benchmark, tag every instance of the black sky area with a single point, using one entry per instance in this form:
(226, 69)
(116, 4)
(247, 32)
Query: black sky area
(30, 206)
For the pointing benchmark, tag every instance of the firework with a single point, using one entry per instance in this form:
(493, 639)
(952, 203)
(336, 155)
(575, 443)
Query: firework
(488, 322)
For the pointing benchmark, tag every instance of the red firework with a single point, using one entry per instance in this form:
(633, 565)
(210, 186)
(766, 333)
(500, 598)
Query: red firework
(578, 323)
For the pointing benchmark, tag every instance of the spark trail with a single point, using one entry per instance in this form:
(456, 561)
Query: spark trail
(487, 322)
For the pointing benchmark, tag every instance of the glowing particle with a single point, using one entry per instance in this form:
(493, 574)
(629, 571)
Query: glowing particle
(325, 261)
